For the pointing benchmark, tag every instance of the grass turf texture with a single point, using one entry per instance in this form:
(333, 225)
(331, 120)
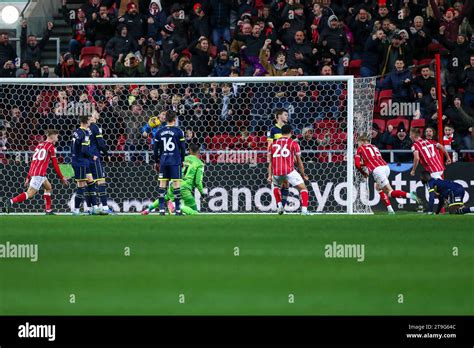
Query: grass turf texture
(279, 255)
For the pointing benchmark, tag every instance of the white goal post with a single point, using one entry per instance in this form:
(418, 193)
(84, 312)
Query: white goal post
(228, 117)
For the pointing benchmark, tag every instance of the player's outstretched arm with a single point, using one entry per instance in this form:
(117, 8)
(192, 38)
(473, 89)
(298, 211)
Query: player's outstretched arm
(300, 165)
(270, 173)
(445, 152)
(58, 171)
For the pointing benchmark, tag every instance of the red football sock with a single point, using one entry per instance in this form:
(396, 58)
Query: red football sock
(385, 199)
(47, 201)
(399, 194)
(277, 194)
(304, 198)
(20, 198)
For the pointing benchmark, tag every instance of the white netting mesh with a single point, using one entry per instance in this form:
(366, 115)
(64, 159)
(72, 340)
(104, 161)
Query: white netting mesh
(230, 118)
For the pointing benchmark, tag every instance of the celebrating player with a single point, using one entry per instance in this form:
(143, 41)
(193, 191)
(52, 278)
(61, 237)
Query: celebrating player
(98, 147)
(369, 156)
(36, 177)
(447, 191)
(169, 150)
(281, 161)
(426, 152)
(193, 172)
(281, 118)
(81, 156)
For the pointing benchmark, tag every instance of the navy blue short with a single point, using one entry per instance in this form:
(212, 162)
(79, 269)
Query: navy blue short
(169, 172)
(456, 197)
(96, 169)
(80, 172)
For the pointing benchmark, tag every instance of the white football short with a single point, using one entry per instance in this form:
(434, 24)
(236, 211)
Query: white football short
(294, 178)
(437, 175)
(36, 182)
(381, 175)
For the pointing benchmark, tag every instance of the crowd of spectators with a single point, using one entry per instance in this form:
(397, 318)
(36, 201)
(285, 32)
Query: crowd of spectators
(393, 39)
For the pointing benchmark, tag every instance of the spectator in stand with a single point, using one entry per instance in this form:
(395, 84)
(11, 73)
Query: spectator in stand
(133, 119)
(400, 141)
(308, 143)
(172, 46)
(399, 81)
(97, 64)
(334, 40)
(222, 64)
(150, 56)
(243, 30)
(468, 83)
(395, 51)
(376, 136)
(294, 20)
(179, 21)
(300, 55)
(220, 21)
(121, 43)
(201, 59)
(200, 26)
(187, 70)
(361, 26)
(30, 48)
(131, 67)
(78, 24)
(244, 141)
(429, 108)
(450, 21)
(101, 26)
(7, 52)
(462, 118)
(423, 83)
(373, 54)
(430, 133)
(154, 71)
(67, 66)
(420, 38)
(136, 22)
(251, 50)
(156, 20)
(90, 8)
(279, 66)
(8, 69)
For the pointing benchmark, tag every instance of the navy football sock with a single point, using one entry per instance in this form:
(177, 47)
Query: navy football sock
(101, 189)
(177, 198)
(284, 195)
(161, 197)
(79, 197)
(91, 189)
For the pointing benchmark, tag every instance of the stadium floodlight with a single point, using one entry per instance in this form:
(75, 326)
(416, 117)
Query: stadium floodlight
(10, 14)
(337, 108)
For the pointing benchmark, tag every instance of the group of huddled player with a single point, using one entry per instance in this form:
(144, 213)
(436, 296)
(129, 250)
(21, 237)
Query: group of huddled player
(368, 160)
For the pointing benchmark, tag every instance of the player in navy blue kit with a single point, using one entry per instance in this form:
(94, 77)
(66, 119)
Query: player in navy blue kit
(281, 119)
(81, 157)
(99, 149)
(446, 191)
(169, 150)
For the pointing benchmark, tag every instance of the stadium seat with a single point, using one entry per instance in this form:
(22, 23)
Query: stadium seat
(385, 94)
(395, 122)
(110, 61)
(425, 61)
(354, 67)
(419, 123)
(331, 125)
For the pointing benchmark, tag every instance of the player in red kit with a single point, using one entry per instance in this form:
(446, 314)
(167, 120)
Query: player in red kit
(44, 152)
(281, 168)
(426, 152)
(368, 160)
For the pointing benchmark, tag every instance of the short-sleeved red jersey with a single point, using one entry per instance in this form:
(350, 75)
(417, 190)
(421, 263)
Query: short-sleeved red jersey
(430, 157)
(44, 151)
(370, 156)
(283, 152)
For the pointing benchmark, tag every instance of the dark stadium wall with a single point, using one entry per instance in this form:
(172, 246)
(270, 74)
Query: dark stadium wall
(131, 187)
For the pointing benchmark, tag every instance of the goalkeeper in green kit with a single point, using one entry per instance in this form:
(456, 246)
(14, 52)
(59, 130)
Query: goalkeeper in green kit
(193, 172)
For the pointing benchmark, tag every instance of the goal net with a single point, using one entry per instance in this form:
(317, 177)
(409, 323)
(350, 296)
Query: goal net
(229, 117)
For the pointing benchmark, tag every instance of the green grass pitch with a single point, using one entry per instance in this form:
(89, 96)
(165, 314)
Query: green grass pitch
(411, 255)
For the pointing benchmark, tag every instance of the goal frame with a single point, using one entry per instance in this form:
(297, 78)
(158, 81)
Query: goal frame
(349, 79)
